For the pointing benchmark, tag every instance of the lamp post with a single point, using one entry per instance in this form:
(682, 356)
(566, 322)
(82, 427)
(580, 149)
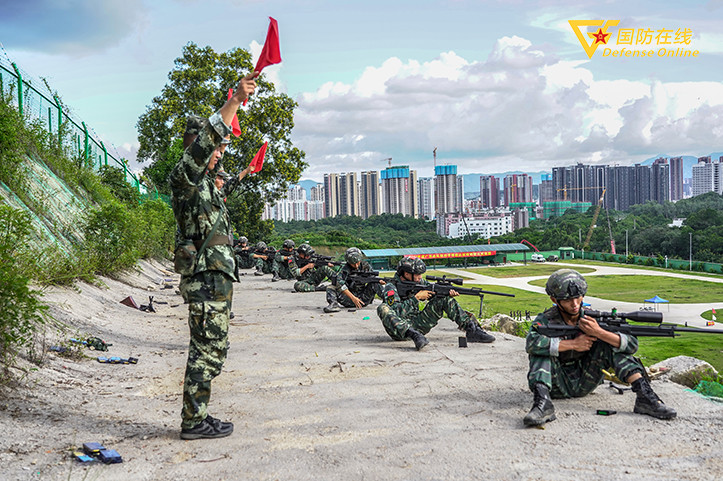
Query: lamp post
(626, 245)
(690, 265)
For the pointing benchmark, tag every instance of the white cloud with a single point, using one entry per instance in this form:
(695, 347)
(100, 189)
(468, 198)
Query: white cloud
(521, 105)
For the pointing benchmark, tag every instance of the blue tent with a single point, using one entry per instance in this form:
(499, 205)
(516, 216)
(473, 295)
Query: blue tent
(657, 300)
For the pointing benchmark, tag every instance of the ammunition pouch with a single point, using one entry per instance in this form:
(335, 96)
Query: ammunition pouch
(184, 259)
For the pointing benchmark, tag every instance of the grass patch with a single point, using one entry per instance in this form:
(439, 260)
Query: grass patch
(708, 315)
(637, 288)
(700, 346)
(440, 273)
(524, 271)
(523, 301)
(637, 266)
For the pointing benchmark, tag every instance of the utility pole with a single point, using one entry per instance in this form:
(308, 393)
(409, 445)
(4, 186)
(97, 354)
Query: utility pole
(690, 266)
(626, 244)
(434, 152)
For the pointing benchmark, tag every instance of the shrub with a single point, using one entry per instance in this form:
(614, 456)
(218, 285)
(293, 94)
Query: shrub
(21, 311)
(111, 238)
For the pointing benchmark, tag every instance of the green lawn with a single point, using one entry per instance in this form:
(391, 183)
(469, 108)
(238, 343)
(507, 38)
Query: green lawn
(700, 346)
(637, 288)
(588, 262)
(523, 301)
(532, 269)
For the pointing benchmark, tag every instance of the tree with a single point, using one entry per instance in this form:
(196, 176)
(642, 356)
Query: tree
(199, 85)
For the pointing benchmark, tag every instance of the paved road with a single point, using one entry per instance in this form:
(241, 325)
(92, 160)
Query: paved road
(672, 312)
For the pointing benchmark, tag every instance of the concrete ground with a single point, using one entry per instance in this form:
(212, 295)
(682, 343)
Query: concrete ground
(319, 396)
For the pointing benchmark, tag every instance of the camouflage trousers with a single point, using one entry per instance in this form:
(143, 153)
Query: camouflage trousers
(423, 321)
(317, 276)
(580, 377)
(264, 265)
(365, 294)
(209, 295)
(282, 269)
(244, 262)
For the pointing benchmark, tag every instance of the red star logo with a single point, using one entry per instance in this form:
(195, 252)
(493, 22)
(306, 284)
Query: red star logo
(601, 37)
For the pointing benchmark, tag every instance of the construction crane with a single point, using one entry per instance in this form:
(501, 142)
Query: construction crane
(565, 189)
(388, 159)
(525, 241)
(594, 219)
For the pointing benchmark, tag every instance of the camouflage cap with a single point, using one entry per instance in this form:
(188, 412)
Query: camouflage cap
(353, 255)
(194, 124)
(305, 249)
(412, 265)
(224, 175)
(226, 140)
(566, 284)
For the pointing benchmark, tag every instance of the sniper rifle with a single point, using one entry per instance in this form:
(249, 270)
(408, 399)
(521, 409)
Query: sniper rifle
(616, 322)
(443, 286)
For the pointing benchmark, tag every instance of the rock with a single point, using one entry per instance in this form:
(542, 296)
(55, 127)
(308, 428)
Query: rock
(506, 324)
(685, 370)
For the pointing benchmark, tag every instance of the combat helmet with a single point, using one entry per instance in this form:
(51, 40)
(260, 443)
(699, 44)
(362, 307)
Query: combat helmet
(566, 284)
(243, 240)
(353, 255)
(288, 245)
(305, 249)
(261, 246)
(412, 265)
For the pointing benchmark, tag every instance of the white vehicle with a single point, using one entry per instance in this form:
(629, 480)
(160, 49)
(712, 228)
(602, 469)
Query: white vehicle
(537, 258)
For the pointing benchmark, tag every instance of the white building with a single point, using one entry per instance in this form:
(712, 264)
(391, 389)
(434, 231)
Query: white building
(707, 176)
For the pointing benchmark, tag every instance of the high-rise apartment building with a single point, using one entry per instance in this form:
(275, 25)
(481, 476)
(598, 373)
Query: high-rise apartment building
(446, 190)
(426, 198)
(489, 191)
(676, 178)
(370, 199)
(413, 194)
(396, 190)
(331, 195)
(517, 188)
(707, 176)
(348, 194)
(660, 181)
(546, 190)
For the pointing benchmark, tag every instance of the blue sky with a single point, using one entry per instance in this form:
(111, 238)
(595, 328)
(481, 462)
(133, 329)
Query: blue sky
(493, 85)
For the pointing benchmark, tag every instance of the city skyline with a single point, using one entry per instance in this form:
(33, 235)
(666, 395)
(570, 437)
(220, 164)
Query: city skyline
(488, 83)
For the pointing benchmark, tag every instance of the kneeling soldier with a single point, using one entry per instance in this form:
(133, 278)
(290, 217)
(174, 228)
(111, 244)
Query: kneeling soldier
(311, 276)
(243, 254)
(284, 265)
(262, 262)
(349, 293)
(564, 368)
(402, 318)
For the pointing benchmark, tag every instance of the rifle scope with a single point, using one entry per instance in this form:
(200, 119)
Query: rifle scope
(444, 279)
(637, 316)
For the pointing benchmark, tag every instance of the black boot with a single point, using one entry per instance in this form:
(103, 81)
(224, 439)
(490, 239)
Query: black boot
(419, 340)
(259, 272)
(648, 402)
(542, 409)
(276, 277)
(476, 334)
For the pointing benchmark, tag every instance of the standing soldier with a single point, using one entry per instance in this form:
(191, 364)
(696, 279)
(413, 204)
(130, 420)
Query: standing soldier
(311, 276)
(402, 318)
(564, 368)
(205, 260)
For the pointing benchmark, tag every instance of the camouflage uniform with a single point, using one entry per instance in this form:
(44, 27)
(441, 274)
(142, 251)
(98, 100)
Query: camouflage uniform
(399, 315)
(284, 265)
(311, 278)
(243, 257)
(365, 293)
(573, 373)
(197, 205)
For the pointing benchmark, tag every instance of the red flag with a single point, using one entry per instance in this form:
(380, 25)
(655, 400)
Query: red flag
(258, 161)
(234, 123)
(270, 54)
